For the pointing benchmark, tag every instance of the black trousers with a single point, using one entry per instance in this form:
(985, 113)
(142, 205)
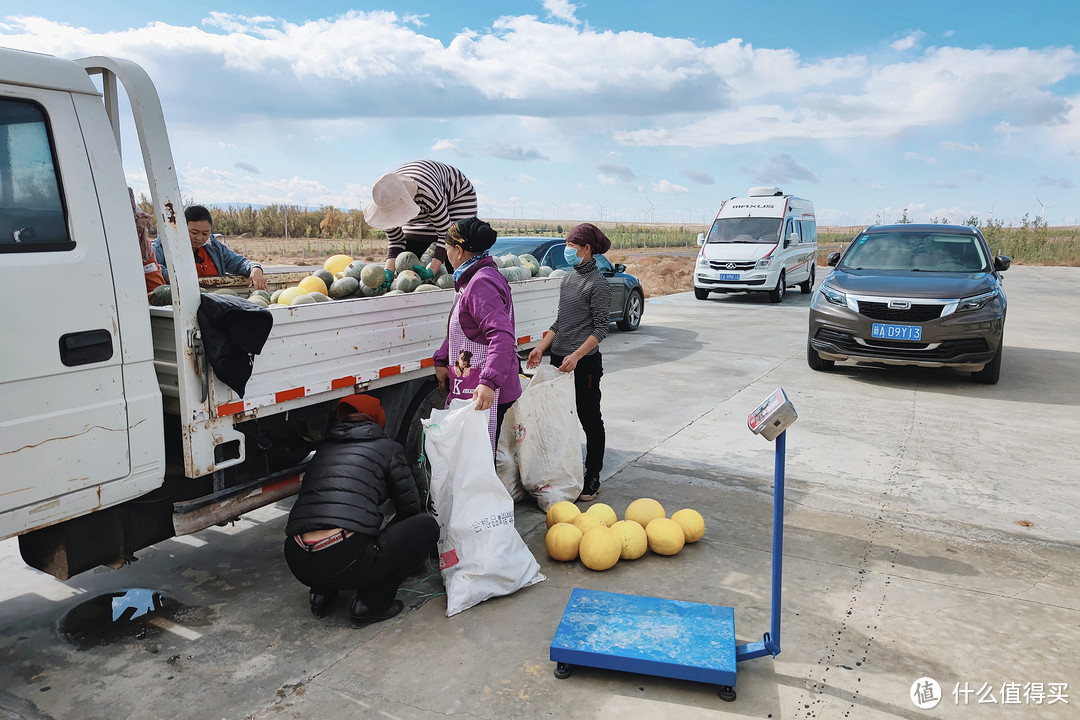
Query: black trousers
(374, 567)
(587, 376)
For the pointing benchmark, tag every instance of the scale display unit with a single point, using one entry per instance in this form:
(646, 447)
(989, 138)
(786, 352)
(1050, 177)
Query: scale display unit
(673, 638)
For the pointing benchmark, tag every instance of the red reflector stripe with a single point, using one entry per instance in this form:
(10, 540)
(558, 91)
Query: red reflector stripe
(230, 408)
(295, 479)
(427, 362)
(347, 381)
(289, 394)
(523, 339)
(388, 371)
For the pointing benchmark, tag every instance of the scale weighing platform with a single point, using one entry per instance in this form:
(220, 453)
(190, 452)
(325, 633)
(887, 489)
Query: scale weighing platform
(672, 638)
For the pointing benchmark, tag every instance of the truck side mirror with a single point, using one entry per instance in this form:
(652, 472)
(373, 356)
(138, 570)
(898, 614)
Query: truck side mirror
(700, 239)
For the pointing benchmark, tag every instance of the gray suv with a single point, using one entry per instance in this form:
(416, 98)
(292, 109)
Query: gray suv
(927, 295)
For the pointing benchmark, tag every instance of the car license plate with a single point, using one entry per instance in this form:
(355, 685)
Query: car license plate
(727, 276)
(886, 331)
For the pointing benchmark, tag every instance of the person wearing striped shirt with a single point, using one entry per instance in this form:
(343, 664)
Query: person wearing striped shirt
(416, 205)
(574, 340)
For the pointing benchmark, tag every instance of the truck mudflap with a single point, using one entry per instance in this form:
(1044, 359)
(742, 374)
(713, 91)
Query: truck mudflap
(229, 504)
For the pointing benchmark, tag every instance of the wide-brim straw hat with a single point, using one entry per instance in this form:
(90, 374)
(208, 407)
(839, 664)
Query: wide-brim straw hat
(392, 202)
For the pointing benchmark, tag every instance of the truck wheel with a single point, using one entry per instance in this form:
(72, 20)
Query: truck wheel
(777, 293)
(815, 361)
(807, 286)
(701, 293)
(412, 436)
(632, 313)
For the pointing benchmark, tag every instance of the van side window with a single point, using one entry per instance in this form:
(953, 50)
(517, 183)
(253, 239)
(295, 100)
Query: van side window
(32, 216)
(809, 233)
(792, 227)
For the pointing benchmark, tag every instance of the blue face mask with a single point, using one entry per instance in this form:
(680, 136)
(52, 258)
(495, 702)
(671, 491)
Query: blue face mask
(571, 256)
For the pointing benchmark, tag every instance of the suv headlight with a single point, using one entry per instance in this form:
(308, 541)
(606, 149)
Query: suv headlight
(976, 302)
(832, 295)
(763, 263)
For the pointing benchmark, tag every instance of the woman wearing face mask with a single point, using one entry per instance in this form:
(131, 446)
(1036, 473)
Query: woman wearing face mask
(480, 334)
(582, 322)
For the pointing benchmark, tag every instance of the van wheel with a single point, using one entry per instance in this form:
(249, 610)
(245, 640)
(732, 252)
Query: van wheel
(807, 286)
(991, 371)
(815, 361)
(777, 293)
(701, 293)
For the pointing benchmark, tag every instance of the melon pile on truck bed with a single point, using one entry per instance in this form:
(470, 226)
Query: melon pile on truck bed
(343, 278)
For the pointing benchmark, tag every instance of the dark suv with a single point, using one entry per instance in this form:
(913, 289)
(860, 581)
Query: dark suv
(927, 295)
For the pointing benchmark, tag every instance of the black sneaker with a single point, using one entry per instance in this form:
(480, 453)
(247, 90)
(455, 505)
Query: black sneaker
(320, 601)
(361, 616)
(591, 488)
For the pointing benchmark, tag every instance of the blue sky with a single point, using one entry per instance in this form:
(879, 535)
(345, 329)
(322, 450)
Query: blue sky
(605, 110)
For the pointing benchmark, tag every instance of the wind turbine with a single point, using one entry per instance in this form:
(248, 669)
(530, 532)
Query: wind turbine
(601, 212)
(652, 209)
(556, 212)
(1042, 217)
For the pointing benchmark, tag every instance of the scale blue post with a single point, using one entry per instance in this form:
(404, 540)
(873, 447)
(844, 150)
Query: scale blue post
(670, 638)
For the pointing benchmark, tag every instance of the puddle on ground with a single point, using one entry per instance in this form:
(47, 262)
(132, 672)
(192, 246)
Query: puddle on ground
(131, 615)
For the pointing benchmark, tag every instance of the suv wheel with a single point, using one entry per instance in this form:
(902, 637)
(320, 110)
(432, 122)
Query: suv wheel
(807, 286)
(632, 313)
(815, 361)
(777, 293)
(701, 293)
(992, 370)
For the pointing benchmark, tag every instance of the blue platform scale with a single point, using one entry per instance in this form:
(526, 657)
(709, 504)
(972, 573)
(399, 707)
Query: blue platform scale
(674, 638)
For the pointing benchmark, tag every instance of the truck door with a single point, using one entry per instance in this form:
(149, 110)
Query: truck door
(63, 419)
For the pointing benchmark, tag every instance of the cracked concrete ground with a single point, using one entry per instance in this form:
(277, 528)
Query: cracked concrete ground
(930, 532)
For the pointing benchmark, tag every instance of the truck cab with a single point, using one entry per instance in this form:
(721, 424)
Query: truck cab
(764, 242)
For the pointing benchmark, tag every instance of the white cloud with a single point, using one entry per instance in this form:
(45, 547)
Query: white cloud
(522, 178)
(561, 10)
(1045, 180)
(622, 172)
(450, 145)
(908, 41)
(665, 186)
(698, 176)
(959, 147)
(607, 180)
(923, 158)
(943, 184)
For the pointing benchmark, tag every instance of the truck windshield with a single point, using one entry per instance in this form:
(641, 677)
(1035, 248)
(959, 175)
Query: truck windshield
(745, 230)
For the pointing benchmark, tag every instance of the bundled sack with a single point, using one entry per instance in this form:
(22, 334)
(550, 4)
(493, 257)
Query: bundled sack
(481, 554)
(546, 439)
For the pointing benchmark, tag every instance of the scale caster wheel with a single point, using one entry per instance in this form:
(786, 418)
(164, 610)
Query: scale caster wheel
(563, 670)
(727, 693)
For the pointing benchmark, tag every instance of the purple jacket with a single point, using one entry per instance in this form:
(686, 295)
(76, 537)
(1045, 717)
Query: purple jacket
(485, 317)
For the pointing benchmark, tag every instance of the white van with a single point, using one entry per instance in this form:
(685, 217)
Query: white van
(766, 242)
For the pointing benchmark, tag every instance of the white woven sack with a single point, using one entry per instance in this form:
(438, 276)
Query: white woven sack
(546, 433)
(481, 554)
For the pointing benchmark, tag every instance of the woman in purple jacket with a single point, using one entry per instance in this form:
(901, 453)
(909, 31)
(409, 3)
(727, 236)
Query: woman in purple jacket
(478, 359)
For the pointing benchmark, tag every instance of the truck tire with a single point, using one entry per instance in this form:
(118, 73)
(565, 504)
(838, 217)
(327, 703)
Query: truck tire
(411, 436)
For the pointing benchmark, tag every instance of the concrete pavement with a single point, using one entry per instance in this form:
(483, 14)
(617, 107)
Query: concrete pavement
(930, 531)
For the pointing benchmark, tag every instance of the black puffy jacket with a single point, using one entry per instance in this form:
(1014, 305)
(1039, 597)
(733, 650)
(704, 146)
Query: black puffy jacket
(352, 474)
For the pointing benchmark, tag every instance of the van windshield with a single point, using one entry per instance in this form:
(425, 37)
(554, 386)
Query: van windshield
(745, 230)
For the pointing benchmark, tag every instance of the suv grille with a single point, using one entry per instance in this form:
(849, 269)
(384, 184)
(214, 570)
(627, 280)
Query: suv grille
(916, 313)
(946, 351)
(740, 265)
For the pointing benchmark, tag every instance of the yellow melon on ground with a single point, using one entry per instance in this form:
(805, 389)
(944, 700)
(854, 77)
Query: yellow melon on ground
(665, 536)
(691, 522)
(337, 263)
(643, 511)
(289, 294)
(562, 512)
(604, 512)
(586, 522)
(600, 548)
(633, 539)
(562, 541)
(313, 284)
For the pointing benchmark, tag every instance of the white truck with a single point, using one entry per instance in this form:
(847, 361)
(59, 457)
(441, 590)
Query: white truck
(114, 431)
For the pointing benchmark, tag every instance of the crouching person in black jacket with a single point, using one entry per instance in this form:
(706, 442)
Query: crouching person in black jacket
(336, 539)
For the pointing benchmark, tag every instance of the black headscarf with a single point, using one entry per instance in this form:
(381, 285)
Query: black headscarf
(473, 235)
(589, 234)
